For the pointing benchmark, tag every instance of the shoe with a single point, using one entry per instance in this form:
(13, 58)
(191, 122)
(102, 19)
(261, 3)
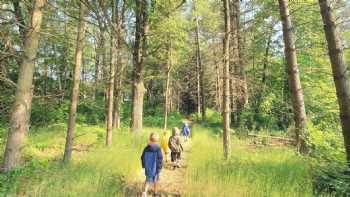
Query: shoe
(144, 194)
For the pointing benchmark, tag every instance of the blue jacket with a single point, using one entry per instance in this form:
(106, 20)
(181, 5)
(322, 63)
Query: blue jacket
(186, 130)
(152, 160)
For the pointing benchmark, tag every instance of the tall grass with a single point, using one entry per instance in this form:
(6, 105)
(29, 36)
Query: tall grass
(249, 172)
(101, 171)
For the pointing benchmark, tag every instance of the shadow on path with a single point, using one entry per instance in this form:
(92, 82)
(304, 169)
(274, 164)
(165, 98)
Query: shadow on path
(171, 181)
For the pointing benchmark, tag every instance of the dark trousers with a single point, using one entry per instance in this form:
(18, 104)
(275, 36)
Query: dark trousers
(175, 156)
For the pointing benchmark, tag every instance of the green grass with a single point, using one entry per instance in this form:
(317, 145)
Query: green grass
(249, 171)
(100, 172)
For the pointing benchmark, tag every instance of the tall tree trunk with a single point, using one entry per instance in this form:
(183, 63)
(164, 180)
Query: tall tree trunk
(226, 83)
(265, 64)
(238, 82)
(139, 61)
(118, 93)
(234, 62)
(266, 60)
(100, 61)
(218, 95)
(198, 91)
(65, 56)
(75, 89)
(113, 65)
(200, 70)
(58, 72)
(167, 88)
(198, 62)
(293, 76)
(339, 69)
(118, 81)
(21, 109)
(243, 100)
(97, 67)
(46, 78)
(171, 101)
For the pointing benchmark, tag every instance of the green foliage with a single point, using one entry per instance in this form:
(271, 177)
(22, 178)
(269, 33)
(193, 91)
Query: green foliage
(48, 112)
(155, 118)
(213, 118)
(44, 113)
(332, 178)
(2, 135)
(325, 145)
(329, 167)
(101, 172)
(249, 172)
(91, 112)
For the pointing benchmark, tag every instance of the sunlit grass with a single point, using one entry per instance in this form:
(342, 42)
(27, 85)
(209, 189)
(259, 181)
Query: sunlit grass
(100, 171)
(249, 171)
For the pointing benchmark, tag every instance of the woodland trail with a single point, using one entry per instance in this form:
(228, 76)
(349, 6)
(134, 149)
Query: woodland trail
(171, 181)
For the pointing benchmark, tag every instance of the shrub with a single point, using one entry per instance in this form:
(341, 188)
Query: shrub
(330, 171)
(48, 112)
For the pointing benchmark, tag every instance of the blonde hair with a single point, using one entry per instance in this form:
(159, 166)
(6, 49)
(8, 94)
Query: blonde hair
(176, 131)
(153, 137)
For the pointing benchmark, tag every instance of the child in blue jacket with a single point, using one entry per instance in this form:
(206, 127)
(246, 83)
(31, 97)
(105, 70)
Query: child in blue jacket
(152, 162)
(186, 132)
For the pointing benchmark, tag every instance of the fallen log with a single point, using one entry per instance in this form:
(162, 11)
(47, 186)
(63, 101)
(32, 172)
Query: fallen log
(275, 139)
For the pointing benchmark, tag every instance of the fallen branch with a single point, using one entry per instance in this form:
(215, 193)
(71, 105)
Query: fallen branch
(83, 147)
(281, 139)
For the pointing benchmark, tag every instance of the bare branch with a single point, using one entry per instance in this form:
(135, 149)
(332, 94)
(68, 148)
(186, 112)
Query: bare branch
(8, 81)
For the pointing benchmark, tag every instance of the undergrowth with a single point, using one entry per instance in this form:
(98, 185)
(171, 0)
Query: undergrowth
(248, 172)
(94, 171)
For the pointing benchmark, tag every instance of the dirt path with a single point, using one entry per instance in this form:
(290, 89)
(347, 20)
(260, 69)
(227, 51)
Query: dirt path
(171, 181)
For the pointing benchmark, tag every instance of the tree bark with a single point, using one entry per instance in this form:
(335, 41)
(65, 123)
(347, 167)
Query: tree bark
(218, 94)
(200, 74)
(266, 59)
(171, 101)
(226, 83)
(75, 89)
(118, 93)
(118, 81)
(66, 53)
(21, 109)
(97, 65)
(339, 69)
(139, 61)
(46, 78)
(234, 62)
(198, 86)
(113, 65)
(167, 88)
(293, 75)
(239, 90)
(243, 100)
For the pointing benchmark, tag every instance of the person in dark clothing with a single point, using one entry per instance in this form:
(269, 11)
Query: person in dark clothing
(152, 162)
(186, 132)
(175, 146)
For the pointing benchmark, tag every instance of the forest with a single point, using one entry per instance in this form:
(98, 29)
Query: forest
(263, 84)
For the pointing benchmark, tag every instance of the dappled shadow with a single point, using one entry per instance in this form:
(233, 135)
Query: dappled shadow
(136, 191)
(171, 183)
